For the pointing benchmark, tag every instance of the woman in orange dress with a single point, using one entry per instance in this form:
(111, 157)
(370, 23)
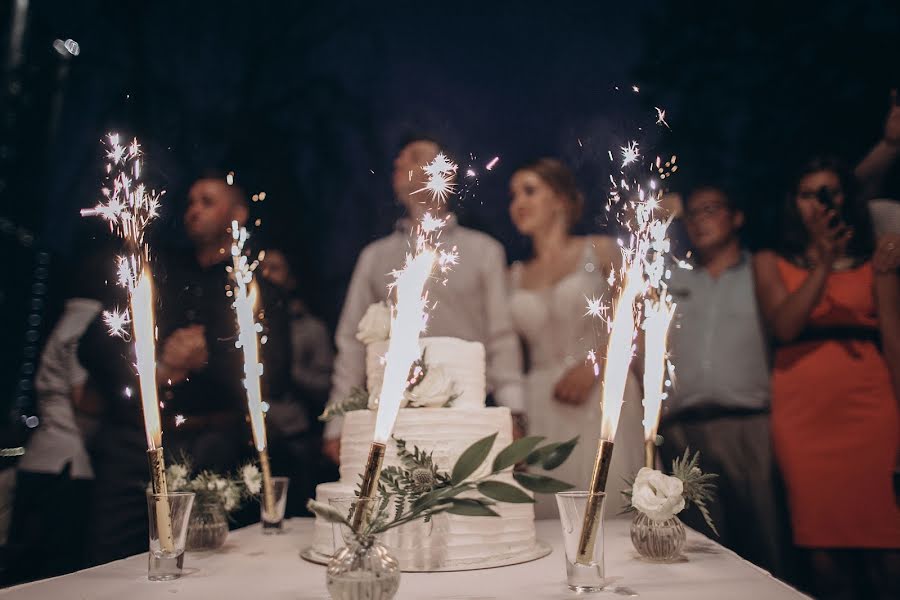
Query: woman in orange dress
(835, 423)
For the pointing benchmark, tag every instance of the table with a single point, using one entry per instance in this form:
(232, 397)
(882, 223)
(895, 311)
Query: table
(259, 567)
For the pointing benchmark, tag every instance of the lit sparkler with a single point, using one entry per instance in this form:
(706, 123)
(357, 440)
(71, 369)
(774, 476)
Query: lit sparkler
(246, 295)
(642, 269)
(408, 320)
(129, 208)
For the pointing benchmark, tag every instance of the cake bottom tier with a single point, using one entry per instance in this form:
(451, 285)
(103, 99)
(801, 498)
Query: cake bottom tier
(448, 541)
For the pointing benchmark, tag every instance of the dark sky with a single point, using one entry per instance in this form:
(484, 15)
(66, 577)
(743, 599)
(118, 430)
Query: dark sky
(309, 100)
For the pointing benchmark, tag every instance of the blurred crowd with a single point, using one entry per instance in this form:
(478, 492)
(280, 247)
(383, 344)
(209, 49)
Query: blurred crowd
(787, 366)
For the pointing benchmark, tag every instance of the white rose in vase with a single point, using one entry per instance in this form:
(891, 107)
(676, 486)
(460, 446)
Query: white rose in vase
(433, 391)
(375, 326)
(657, 495)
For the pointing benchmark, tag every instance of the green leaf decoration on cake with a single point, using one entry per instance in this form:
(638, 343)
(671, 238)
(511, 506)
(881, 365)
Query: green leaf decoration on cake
(470, 507)
(472, 458)
(357, 400)
(504, 492)
(418, 489)
(516, 452)
(541, 483)
(552, 455)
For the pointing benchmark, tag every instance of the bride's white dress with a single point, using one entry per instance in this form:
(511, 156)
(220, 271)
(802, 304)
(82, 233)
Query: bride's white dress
(557, 336)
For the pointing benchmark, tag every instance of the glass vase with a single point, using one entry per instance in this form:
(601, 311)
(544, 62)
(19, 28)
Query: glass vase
(208, 527)
(363, 570)
(657, 541)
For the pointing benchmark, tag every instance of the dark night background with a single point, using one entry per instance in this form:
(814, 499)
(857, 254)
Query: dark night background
(308, 101)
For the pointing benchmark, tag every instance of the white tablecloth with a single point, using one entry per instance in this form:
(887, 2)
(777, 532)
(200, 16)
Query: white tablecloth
(256, 567)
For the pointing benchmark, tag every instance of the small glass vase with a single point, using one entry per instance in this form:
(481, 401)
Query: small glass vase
(363, 570)
(208, 527)
(657, 541)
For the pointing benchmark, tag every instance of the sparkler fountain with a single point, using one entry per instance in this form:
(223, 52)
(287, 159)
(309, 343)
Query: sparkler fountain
(642, 270)
(408, 320)
(128, 209)
(246, 294)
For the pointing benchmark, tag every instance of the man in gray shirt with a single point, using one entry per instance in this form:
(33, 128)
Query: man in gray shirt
(472, 305)
(720, 401)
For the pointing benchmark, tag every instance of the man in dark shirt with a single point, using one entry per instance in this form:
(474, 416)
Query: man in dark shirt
(199, 373)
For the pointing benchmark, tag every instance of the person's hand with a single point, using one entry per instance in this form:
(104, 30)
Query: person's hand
(575, 385)
(185, 349)
(892, 123)
(829, 239)
(887, 253)
(332, 449)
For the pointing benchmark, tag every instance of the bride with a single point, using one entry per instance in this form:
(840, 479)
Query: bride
(548, 301)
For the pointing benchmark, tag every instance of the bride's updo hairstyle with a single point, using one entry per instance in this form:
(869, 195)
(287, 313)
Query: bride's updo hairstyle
(561, 180)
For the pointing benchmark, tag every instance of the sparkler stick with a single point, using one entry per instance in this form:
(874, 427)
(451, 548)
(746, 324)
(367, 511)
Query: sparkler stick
(408, 321)
(128, 209)
(246, 294)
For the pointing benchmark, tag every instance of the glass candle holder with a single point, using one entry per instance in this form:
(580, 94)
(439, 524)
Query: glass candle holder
(274, 522)
(583, 574)
(168, 515)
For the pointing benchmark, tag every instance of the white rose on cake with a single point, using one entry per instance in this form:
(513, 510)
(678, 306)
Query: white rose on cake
(433, 391)
(658, 496)
(375, 326)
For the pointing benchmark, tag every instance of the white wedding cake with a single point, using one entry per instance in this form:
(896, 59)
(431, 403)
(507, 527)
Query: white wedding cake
(444, 414)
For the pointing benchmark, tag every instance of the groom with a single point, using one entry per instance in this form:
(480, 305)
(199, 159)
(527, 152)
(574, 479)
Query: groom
(473, 305)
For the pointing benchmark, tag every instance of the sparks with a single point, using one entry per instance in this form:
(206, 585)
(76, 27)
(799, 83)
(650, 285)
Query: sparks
(595, 307)
(179, 420)
(129, 208)
(117, 322)
(661, 117)
(440, 173)
(493, 163)
(246, 293)
(630, 153)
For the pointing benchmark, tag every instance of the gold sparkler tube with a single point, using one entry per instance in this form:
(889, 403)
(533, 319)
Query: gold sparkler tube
(268, 489)
(163, 511)
(591, 524)
(649, 454)
(370, 480)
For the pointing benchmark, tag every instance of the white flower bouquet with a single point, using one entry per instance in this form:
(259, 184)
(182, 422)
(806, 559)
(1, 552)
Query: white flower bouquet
(228, 490)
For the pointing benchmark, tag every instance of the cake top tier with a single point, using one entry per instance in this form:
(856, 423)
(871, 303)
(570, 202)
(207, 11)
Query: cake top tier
(453, 374)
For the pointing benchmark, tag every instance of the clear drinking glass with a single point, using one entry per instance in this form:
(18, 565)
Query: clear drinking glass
(169, 515)
(274, 522)
(348, 506)
(583, 574)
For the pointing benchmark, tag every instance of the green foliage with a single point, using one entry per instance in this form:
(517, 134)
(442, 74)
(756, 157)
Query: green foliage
(699, 488)
(357, 400)
(419, 489)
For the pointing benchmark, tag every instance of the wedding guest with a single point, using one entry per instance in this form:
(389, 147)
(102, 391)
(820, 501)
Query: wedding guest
(295, 433)
(199, 372)
(872, 170)
(549, 292)
(835, 380)
(719, 404)
(473, 305)
(54, 477)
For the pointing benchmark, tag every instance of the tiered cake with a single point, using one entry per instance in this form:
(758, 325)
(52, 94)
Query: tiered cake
(443, 414)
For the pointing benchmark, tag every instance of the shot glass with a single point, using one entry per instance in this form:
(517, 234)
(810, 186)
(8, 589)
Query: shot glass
(274, 522)
(585, 574)
(169, 515)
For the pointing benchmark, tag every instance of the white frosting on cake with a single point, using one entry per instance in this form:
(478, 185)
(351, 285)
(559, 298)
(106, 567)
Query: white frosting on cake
(461, 362)
(452, 540)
